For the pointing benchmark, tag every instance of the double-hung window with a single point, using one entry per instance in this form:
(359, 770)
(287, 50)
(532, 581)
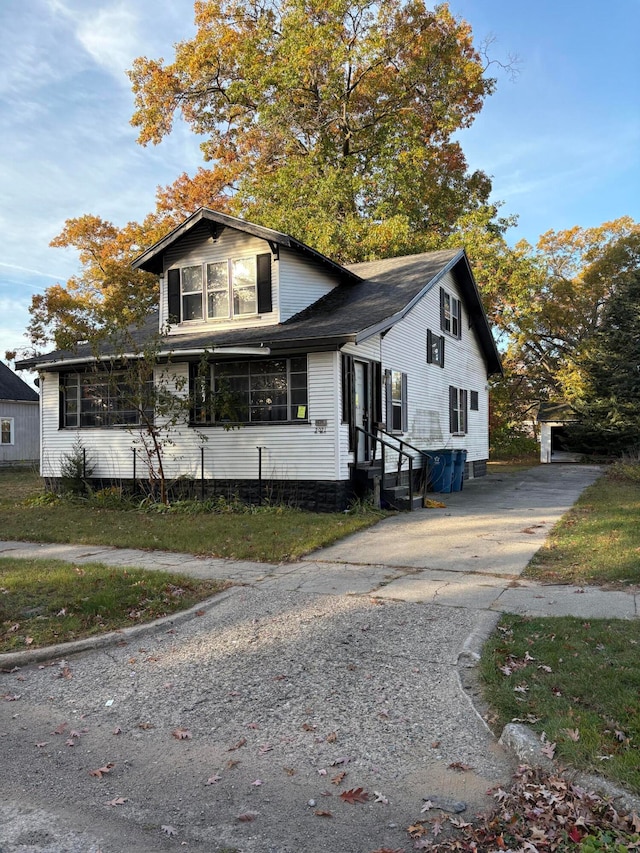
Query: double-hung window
(450, 314)
(396, 398)
(220, 290)
(6, 431)
(435, 348)
(105, 399)
(457, 410)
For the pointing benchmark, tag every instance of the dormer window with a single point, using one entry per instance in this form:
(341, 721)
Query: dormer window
(236, 287)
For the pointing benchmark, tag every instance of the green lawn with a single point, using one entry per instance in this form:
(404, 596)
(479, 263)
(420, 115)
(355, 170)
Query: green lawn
(598, 541)
(45, 602)
(270, 534)
(579, 681)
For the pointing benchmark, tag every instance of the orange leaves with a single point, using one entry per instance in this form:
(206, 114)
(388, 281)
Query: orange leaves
(354, 795)
(181, 734)
(102, 771)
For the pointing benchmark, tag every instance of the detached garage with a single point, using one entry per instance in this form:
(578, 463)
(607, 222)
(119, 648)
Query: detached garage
(553, 419)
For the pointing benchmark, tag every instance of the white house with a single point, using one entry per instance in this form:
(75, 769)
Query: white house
(19, 420)
(330, 368)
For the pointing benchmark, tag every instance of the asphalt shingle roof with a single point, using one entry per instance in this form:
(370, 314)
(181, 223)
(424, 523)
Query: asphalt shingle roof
(14, 388)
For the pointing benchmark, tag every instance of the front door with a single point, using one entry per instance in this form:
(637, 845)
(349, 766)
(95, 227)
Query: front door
(362, 408)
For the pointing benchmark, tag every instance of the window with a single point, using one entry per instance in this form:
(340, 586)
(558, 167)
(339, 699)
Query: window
(473, 401)
(396, 393)
(265, 391)
(103, 400)
(435, 349)
(236, 287)
(457, 410)
(450, 314)
(6, 431)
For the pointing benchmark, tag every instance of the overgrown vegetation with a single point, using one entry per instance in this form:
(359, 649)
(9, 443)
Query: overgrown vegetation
(45, 602)
(598, 540)
(221, 528)
(578, 682)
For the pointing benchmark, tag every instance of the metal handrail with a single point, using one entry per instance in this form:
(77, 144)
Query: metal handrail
(383, 444)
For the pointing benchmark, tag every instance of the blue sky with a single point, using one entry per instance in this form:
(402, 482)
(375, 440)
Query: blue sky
(561, 141)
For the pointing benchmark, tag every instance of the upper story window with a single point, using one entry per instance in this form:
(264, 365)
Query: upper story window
(220, 290)
(450, 314)
(104, 399)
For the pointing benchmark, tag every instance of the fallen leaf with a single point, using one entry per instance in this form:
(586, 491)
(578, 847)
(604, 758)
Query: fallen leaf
(549, 749)
(380, 798)
(117, 801)
(308, 727)
(60, 729)
(117, 731)
(241, 742)
(101, 771)
(200, 612)
(257, 783)
(332, 737)
(213, 779)
(290, 771)
(146, 726)
(426, 807)
(231, 763)
(458, 765)
(28, 641)
(265, 748)
(573, 734)
(168, 830)
(247, 816)
(322, 813)
(43, 743)
(354, 795)
(337, 779)
(253, 726)
(12, 697)
(181, 734)
(322, 772)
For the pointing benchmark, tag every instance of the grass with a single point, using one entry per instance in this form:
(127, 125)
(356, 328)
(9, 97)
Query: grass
(45, 602)
(598, 541)
(269, 534)
(512, 466)
(577, 681)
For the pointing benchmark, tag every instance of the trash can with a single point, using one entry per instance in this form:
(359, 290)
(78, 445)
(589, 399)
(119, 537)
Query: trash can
(440, 470)
(458, 470)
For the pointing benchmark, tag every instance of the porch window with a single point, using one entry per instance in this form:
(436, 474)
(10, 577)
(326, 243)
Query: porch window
(235, 287)
(104, 400)
(457, 410)
(450, 314)
(396, 394)
(6, 431)
(246, 392)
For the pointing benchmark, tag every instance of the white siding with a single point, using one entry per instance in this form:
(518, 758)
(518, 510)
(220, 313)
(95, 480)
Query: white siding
(26, 431)
(197, 248)
(290, 451)
(302, 282)
(404, 349)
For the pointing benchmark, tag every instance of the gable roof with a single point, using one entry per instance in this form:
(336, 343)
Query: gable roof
(370, 299)
(14, 388)
(557, 411)
(152, 259)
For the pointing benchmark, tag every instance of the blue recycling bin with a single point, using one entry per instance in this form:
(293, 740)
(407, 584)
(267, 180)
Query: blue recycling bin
(440, 470)
(460, 457)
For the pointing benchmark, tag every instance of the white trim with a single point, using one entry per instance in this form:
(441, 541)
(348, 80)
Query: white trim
(12, 432)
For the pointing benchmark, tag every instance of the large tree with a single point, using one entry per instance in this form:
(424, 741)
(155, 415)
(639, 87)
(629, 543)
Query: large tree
(332, 120)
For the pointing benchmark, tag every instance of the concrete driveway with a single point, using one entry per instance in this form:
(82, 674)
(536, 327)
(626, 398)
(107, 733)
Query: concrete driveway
(231, 730)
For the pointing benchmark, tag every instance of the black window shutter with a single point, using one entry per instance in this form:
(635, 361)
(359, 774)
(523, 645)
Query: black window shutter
(265, 302)
(443, 325)
(405, 408)
(459, 315)
(429, 347)
(173, 295)
(463, 411)
(441, 350)
(453, 414)
(61, 400)
(377, 393)
(347, 389)
(388, 401)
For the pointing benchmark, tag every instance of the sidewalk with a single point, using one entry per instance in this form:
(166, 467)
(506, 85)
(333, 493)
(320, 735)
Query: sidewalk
(469, 554)
(350, 662)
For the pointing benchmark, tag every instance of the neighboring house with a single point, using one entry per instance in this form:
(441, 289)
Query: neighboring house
(553, 419)
(322, 360)
(19, 420)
